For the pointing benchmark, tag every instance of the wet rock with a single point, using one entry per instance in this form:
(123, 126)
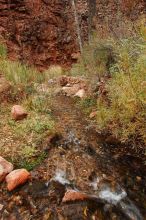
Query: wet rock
(5, 168)
(81, 93)
(18, 112)
(16, 178)
(72, 195)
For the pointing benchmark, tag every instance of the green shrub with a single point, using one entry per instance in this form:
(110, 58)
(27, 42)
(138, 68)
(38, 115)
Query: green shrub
(30, 158)
(96, 59)
(36, 124)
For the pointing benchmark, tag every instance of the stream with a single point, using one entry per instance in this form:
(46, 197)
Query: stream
(79, 160)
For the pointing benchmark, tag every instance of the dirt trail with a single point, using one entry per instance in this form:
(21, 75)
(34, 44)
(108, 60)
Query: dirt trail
(77, 159)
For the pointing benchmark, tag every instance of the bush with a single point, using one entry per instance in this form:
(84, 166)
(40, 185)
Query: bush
(21, 77)
(123, 110)
(96, 59)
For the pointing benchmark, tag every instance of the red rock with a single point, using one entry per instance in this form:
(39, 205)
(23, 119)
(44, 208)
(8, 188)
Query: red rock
(18, 113)
(72, 195)
(5, 168)
(16, 178)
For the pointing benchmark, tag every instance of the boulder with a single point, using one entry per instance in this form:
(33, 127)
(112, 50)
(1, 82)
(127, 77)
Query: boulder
(5, 168)
(16, 178)
(18, 112)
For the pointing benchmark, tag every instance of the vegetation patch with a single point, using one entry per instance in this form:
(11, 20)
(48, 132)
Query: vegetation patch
(21, 141)
(118, 69)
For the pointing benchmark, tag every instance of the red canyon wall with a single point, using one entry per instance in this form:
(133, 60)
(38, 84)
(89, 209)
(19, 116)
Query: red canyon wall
(42, 32)
(38, 31)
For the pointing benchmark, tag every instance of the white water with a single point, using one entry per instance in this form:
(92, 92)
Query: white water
(112, 197)
(94, 184)
(60, 176)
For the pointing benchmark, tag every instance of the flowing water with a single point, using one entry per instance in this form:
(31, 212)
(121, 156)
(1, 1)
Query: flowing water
(80, 160)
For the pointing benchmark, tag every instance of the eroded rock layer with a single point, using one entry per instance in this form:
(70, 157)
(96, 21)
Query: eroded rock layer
(38, 31)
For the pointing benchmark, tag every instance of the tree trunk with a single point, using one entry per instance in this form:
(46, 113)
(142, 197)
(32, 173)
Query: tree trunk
(77, 26)
(91, 14)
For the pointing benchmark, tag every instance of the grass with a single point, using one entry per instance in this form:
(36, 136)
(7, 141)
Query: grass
(19, 74)
(22, 141)
(53, 72)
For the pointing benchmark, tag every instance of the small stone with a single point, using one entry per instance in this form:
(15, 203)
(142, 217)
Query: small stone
(80, 93)
(93, 114)
(5, 168)
(16, 178)
(18, 112)
(1, 207)
(72, 195)
(138, 178)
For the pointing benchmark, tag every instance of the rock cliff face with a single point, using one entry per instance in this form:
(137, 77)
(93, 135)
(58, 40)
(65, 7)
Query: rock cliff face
(38, 31)
(43, 32)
